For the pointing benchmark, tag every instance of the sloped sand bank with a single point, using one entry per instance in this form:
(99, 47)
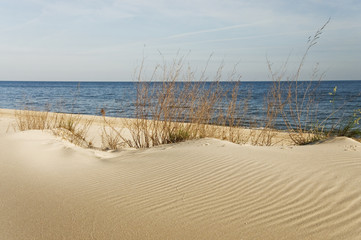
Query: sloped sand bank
(204, 189)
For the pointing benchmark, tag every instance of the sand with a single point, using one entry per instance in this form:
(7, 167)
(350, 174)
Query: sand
(203, 189)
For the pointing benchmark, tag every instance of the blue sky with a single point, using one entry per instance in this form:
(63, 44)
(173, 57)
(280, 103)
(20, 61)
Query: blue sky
(99, 40)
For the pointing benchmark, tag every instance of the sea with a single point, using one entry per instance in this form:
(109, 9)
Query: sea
(118, 98)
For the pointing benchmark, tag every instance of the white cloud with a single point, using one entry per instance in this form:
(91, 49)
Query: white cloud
(215, 30)
(120, 28)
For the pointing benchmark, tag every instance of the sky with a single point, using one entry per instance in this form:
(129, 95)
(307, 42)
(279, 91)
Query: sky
(107, 40)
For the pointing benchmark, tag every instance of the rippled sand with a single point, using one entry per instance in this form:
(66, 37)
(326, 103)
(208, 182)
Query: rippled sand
(204, 189)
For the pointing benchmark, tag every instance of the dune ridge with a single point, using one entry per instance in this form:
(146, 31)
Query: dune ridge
(202, 189)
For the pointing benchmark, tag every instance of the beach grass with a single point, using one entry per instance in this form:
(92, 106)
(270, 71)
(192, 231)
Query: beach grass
(71, 127)
(174, 105)
(177, 103)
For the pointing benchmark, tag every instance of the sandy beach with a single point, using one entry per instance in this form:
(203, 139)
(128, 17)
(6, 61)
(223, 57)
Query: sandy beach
(199, 189)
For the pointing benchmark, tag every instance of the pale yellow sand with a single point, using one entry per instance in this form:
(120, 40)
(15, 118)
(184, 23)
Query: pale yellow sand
(204, 189)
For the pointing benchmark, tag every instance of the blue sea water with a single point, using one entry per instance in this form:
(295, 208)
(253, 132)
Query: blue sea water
(118, 98)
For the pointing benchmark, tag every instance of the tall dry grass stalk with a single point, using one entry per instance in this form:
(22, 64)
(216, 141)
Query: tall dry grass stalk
(113, 133)
(295, 101)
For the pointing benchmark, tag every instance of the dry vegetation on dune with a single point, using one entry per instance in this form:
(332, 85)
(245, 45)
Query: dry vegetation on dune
(176, 104)
(173, 105)
(71, 127)
(296, 103)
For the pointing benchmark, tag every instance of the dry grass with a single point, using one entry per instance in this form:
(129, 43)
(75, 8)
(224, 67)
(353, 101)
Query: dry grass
(27, 120)
(71, 127)
(174, 105)
(112, 133)
(297, 104)
(295, 100)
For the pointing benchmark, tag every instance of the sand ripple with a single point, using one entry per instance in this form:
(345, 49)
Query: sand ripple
(206, 189)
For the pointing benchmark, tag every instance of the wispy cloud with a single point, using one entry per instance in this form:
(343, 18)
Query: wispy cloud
(116, 30)
(256, 36)
(214, 30)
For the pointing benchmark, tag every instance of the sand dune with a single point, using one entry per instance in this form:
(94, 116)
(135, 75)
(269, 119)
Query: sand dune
(204, 189)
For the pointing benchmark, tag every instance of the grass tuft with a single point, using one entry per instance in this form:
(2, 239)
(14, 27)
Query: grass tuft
(71, 127)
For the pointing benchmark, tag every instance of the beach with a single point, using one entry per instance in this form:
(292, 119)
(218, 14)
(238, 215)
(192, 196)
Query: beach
(198, 189)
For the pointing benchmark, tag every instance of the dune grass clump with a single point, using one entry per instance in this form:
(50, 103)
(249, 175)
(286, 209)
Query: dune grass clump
(175, 105)
(295, 101)
(112, 133)
(71, 127)
(27, 120)
(297, 104)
